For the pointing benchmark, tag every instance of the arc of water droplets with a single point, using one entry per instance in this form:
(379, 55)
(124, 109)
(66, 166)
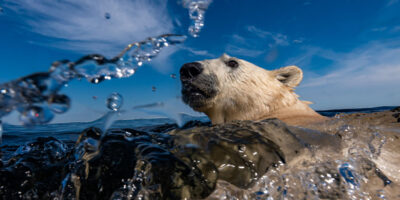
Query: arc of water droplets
(197, 9)
(36, 96)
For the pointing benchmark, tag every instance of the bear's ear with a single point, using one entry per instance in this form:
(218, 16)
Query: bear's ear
(290, 76)
(225, 56)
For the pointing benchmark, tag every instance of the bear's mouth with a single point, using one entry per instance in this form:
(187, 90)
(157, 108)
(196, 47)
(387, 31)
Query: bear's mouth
(197, 93)
(191, 91)
(195, 96)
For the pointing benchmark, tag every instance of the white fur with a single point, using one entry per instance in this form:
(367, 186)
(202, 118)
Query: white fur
(249, 92)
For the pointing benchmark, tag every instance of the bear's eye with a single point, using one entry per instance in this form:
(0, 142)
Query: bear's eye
(232, 63)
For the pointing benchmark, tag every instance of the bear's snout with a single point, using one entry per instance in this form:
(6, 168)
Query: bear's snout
(190, 70)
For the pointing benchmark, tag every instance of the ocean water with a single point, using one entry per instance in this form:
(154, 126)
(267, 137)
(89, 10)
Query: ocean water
(15, 135)
(159, 158)
(84, 161)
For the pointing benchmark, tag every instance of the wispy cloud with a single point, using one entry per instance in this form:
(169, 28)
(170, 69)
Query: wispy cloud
(236, 50)
(370, 64)
(367, 75)
(304, 59)
(257, 42)
(298, 41)
(198, 52)
(278, 38)
(379, 29)
(93, 26)
(391, 2)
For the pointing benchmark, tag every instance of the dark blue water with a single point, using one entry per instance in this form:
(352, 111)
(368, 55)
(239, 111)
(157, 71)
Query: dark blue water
(43, 162)
(15, 135)
(331, 113)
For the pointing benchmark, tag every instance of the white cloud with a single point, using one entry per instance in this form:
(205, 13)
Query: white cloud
(366, 76)
(365, 65)
(309, 52)
(379, 29)
(278, 38)
(81, 25)
(198, 52)
(236, 50)
(396, 28)
(391, 2)
(256, 42)
(298, 41)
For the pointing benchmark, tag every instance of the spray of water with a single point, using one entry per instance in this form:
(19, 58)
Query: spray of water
(197, 9)
(36, 97)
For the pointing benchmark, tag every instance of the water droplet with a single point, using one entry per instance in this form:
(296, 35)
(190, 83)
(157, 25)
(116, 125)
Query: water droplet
(346, 171)
(153, 88)
(197, 9)
(173, 76)
(59, 103)
(1, 132)
(35, 89)
(34, 115)
(107, 15)
(241, 148)
(94, 97)
(128, 136)
(1, 10)
(114, 101)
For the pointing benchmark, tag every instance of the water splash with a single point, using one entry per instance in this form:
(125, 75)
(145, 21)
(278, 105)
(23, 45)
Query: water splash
(197, 9)
(1, 132)
(35, 115)
(347, 172)
(37, 97)
(166, 109)
(114, 101)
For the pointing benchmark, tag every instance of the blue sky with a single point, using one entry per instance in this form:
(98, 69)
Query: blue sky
(349, 50)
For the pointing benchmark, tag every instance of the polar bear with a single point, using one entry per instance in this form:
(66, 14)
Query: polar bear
(228, 88)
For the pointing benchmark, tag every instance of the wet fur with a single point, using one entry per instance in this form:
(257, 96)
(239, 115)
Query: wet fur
(249, 92)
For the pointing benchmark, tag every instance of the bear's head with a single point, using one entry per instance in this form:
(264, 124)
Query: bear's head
(228, 88)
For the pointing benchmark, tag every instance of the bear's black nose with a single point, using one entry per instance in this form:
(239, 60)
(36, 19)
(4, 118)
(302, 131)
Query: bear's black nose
(190, 70)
